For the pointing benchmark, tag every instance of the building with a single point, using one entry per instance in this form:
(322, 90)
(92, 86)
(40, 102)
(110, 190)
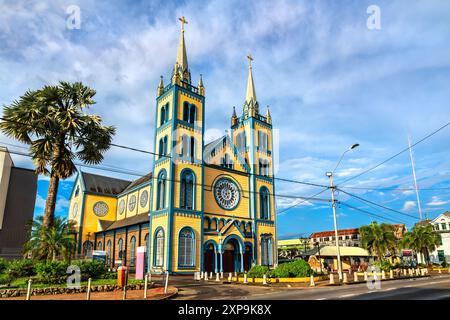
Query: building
(204, 207)
(441, 224)
(17, 198)
(352, 258)
(347, 237)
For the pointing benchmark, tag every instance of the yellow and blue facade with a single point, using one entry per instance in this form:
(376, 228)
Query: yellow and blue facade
(204, 207)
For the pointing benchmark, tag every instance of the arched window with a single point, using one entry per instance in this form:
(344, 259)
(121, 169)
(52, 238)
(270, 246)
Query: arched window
(264, 167)
(162, 146)
(207, 223)
(120, 249)
(266, 251)
(163, 115)
(188, 147)
(189, 112)
(240, 141)
(99, 245)
(158, 258)
(186, 111)
(132, 251)
(264, 203)
(108, 252)
(192, 113)
(146, 252)
(213, 225)
(161, 191)
(88, 246)
(187, 195)
(186, 248)
(227, 162)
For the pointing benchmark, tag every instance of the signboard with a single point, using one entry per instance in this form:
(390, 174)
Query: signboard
(140, 263)
(406, 253)
(99, 255)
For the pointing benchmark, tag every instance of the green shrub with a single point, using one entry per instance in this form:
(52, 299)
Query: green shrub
(297, 269)
(3, 265)
(95, 269)
(21, 268)
(5, 279)
(51, 272)
(258, 271)
(384, 265)
(110, 275)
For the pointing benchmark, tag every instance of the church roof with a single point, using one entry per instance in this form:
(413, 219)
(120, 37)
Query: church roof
(216, 143)
(139, 181)
(139, 218)
(102, 184)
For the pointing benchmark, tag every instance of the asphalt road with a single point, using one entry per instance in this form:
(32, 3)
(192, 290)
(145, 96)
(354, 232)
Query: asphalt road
(430, 288)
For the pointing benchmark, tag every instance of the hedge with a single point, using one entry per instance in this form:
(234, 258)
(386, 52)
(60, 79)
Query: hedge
(294, 269)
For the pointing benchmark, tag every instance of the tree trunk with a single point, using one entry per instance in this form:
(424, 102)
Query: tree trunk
(49, 213)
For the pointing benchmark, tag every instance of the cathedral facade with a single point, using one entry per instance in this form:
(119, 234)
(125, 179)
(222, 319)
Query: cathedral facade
(204, 207)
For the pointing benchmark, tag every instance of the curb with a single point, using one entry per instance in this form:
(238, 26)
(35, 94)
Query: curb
(170, 296)
(359, 282)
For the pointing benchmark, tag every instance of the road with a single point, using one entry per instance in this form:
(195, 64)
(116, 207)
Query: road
(435, 288)
(430, 288)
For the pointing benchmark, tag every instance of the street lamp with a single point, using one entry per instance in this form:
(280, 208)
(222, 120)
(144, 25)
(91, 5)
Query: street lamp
(333, 205)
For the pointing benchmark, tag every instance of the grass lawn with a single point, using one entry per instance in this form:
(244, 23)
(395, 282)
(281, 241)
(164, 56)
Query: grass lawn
(23, 283)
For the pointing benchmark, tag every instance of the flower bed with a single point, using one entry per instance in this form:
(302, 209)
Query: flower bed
(279, 280)
(7, 293)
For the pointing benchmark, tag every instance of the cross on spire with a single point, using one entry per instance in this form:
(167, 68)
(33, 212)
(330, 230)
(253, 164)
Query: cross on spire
(183, 21)
(250, 59)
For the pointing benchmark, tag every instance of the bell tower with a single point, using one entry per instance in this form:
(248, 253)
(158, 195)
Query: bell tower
(252, 135)
(177, 195)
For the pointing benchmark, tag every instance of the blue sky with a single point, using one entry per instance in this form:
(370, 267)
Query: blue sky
(329, 80)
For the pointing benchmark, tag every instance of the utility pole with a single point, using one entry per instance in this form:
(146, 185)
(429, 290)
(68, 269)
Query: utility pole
(333, 204)
(414, 177)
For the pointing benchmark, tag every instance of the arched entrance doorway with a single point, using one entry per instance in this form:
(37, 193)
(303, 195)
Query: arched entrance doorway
(247, 257)
(209, 258)
(232, 256)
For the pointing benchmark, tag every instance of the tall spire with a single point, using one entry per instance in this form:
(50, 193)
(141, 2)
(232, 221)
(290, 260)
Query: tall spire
(181, 69)
(181, 54)
(251, 94)
(251, 108)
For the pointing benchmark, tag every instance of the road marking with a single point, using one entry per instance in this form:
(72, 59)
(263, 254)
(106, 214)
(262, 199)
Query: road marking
(390, 289)
(321, 299)
(348, 295)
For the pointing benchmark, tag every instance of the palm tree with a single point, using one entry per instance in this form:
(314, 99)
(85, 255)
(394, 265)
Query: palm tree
(51, 242)
(378, 239)
(422, 239)
(53, 122)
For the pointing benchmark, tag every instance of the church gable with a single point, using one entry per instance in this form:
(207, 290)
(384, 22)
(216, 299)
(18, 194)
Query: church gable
(232, 227)
(222, 152)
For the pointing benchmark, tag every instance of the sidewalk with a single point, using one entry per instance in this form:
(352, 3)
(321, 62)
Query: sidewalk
(152, 294)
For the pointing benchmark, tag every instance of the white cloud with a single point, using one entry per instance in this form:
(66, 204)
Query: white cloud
(409, 205)
(62, 204)
(40, 202)
(436, 201)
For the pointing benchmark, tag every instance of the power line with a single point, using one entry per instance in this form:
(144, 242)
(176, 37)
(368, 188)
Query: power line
(177, 181)
(397, 154)
(379, 205)
(393, 188)
(168, 156)
(370, 213)
(304, 200)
